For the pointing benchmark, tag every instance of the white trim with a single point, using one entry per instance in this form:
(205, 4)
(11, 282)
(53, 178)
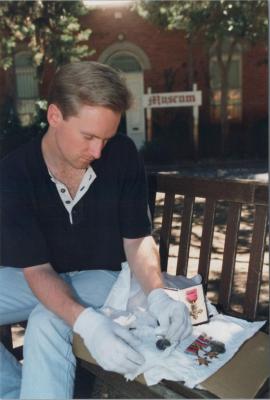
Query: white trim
(172, 99)
(64, 194)
(126, 47)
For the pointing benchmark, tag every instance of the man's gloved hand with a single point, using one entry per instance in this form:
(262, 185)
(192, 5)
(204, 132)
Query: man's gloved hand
(109, 343)
(173, 316)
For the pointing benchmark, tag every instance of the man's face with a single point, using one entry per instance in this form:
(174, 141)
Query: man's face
(80, 140)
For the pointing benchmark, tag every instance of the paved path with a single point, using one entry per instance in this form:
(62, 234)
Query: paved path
(253, 171)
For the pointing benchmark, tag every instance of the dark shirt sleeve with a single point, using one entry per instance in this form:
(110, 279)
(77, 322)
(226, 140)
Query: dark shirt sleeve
(21, 241)
(134, 214)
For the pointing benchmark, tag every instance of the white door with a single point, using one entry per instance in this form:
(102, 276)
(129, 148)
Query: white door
(135, 115)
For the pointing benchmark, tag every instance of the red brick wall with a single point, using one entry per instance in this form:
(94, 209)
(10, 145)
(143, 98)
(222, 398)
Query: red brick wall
(255, 83)
(168, 49)
(165, 49)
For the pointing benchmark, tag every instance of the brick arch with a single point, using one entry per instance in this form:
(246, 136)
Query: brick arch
(128, 48)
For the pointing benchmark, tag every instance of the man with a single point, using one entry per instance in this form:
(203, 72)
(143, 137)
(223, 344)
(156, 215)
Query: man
(73, 207)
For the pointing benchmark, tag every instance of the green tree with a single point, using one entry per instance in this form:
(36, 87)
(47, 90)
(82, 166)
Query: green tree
(52, 32)
(222, 24)
(50, 29)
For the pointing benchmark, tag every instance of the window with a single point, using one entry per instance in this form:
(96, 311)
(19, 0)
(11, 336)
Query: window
(234, 93)
(124, 62)
(26, 87)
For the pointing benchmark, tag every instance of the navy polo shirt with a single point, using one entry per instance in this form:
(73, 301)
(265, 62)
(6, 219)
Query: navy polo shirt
(36, 228)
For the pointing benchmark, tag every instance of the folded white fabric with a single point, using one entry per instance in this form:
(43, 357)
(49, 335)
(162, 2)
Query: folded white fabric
(129, 308)
(185, 367)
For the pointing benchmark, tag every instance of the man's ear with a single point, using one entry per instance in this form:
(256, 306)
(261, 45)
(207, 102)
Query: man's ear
(54, 115)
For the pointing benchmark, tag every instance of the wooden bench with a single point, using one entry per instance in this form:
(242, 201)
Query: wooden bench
(217, 207)
(209, 204)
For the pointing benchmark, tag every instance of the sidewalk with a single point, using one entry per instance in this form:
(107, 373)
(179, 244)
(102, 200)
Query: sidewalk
(238, 169)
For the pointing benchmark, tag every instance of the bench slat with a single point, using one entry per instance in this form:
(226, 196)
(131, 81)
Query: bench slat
(261, 194)
(165, 234)
(152, 194)
(230, 248)
(256, 262)
(207, 238)
(236, 191)
(182, 261)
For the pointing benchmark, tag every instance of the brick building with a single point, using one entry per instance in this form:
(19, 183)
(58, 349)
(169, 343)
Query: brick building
(152, 57)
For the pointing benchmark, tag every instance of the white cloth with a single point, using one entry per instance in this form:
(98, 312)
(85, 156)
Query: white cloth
(126, 304)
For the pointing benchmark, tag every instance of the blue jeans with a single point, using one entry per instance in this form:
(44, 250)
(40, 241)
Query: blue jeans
(48, 369)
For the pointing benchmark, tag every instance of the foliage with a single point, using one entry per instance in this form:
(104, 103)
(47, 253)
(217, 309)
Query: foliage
(51, 30)
(9, 119)
(239, 20)
(12, 134)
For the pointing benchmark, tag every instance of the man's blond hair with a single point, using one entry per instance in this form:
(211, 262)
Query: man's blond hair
(88, 83)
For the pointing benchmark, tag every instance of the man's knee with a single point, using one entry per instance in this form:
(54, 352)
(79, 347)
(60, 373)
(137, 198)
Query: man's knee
(42, 323)
(16, 298)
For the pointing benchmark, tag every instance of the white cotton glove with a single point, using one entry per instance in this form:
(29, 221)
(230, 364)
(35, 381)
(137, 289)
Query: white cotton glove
(111, 345)
(172, 315)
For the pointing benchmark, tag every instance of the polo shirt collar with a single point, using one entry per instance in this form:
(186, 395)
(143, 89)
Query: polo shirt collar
(63, 192)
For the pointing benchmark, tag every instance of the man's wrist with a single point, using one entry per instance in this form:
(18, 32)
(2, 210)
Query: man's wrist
(76, 310)
(87, 322)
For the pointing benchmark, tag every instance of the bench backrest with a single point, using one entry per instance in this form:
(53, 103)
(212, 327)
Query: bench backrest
(236, 195)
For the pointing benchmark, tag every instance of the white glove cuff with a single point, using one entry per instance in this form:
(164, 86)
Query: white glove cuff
(155, 294)
(87, 321)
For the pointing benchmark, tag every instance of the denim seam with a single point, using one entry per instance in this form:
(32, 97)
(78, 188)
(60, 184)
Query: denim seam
(69, 351)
